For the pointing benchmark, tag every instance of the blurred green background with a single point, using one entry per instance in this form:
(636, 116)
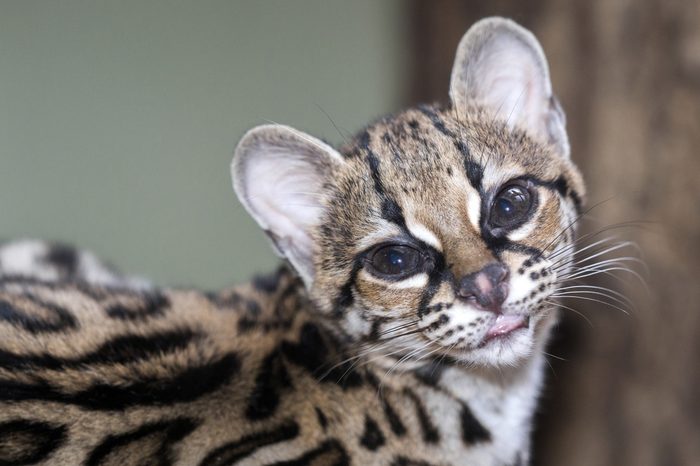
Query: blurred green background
(118, 119)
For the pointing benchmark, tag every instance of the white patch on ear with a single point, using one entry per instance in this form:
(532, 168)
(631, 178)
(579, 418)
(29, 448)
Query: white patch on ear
(501, 65)
(279, 175)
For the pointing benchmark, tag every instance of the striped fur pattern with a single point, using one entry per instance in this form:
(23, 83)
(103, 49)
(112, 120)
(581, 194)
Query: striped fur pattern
(325, 362)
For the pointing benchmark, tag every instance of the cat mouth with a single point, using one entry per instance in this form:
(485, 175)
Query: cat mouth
(505, 325)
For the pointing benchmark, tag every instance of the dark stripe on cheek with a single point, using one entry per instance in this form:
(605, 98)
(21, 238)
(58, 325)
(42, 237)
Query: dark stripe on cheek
(372, 437)
(345, 298)
(438, 274)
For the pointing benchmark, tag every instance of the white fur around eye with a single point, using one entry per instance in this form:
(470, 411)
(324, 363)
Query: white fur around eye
(523, 232)
(474, 208)
(418, 280)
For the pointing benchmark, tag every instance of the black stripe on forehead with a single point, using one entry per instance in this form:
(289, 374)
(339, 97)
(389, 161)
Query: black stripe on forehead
(391, 211)
(473, 170)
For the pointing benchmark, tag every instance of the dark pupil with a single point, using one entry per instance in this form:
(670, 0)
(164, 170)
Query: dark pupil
(512, 206)
(395, 260)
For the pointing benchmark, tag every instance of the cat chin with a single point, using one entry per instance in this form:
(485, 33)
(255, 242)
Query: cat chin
(510, 350)
(516, 348)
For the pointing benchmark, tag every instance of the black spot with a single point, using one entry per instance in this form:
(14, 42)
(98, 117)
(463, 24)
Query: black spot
(311, 353)
(151, 305)
(28, 442)
(56, 318)
(472, 430)
(234, 451)
(120, 350)
(267, 283)
(372, 437)
(534, 275)
(271, 380)
(64, 258)
(430, 373)
(149, 444)
(188, 385)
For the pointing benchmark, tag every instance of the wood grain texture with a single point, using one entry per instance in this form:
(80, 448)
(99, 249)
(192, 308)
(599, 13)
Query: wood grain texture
(628, 75)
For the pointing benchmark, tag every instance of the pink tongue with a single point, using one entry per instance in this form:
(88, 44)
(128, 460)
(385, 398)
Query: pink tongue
(505, 324)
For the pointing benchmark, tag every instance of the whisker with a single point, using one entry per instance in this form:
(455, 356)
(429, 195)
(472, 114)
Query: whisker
(563, 306)
(333, 123)
(585, 298)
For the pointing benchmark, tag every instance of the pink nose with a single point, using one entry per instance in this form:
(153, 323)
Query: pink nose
(488, 287)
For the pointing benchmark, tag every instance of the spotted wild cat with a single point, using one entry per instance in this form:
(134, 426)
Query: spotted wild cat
(406, 328)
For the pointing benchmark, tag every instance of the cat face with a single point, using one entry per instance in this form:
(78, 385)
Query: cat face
(436, 231)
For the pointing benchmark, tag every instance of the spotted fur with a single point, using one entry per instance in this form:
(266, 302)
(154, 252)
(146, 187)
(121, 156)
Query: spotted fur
(323, 362)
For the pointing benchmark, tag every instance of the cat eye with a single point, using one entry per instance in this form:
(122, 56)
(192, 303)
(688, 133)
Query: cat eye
(511, 206)
(395, 261)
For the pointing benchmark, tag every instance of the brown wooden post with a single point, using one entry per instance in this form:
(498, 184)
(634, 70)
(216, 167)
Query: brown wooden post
(628, 75)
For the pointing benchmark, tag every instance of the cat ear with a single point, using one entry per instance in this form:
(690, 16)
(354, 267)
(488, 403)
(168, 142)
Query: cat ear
(501, 65)
(279, 175)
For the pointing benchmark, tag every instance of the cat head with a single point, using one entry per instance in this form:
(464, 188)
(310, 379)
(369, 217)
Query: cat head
(439, 230)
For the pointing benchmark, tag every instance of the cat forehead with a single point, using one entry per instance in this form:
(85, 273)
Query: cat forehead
(422, 149)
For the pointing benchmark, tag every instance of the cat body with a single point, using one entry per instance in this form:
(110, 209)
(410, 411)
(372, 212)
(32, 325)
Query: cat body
(407, 328)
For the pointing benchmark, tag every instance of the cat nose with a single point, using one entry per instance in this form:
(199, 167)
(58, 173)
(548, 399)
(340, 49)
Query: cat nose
(488, 287)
